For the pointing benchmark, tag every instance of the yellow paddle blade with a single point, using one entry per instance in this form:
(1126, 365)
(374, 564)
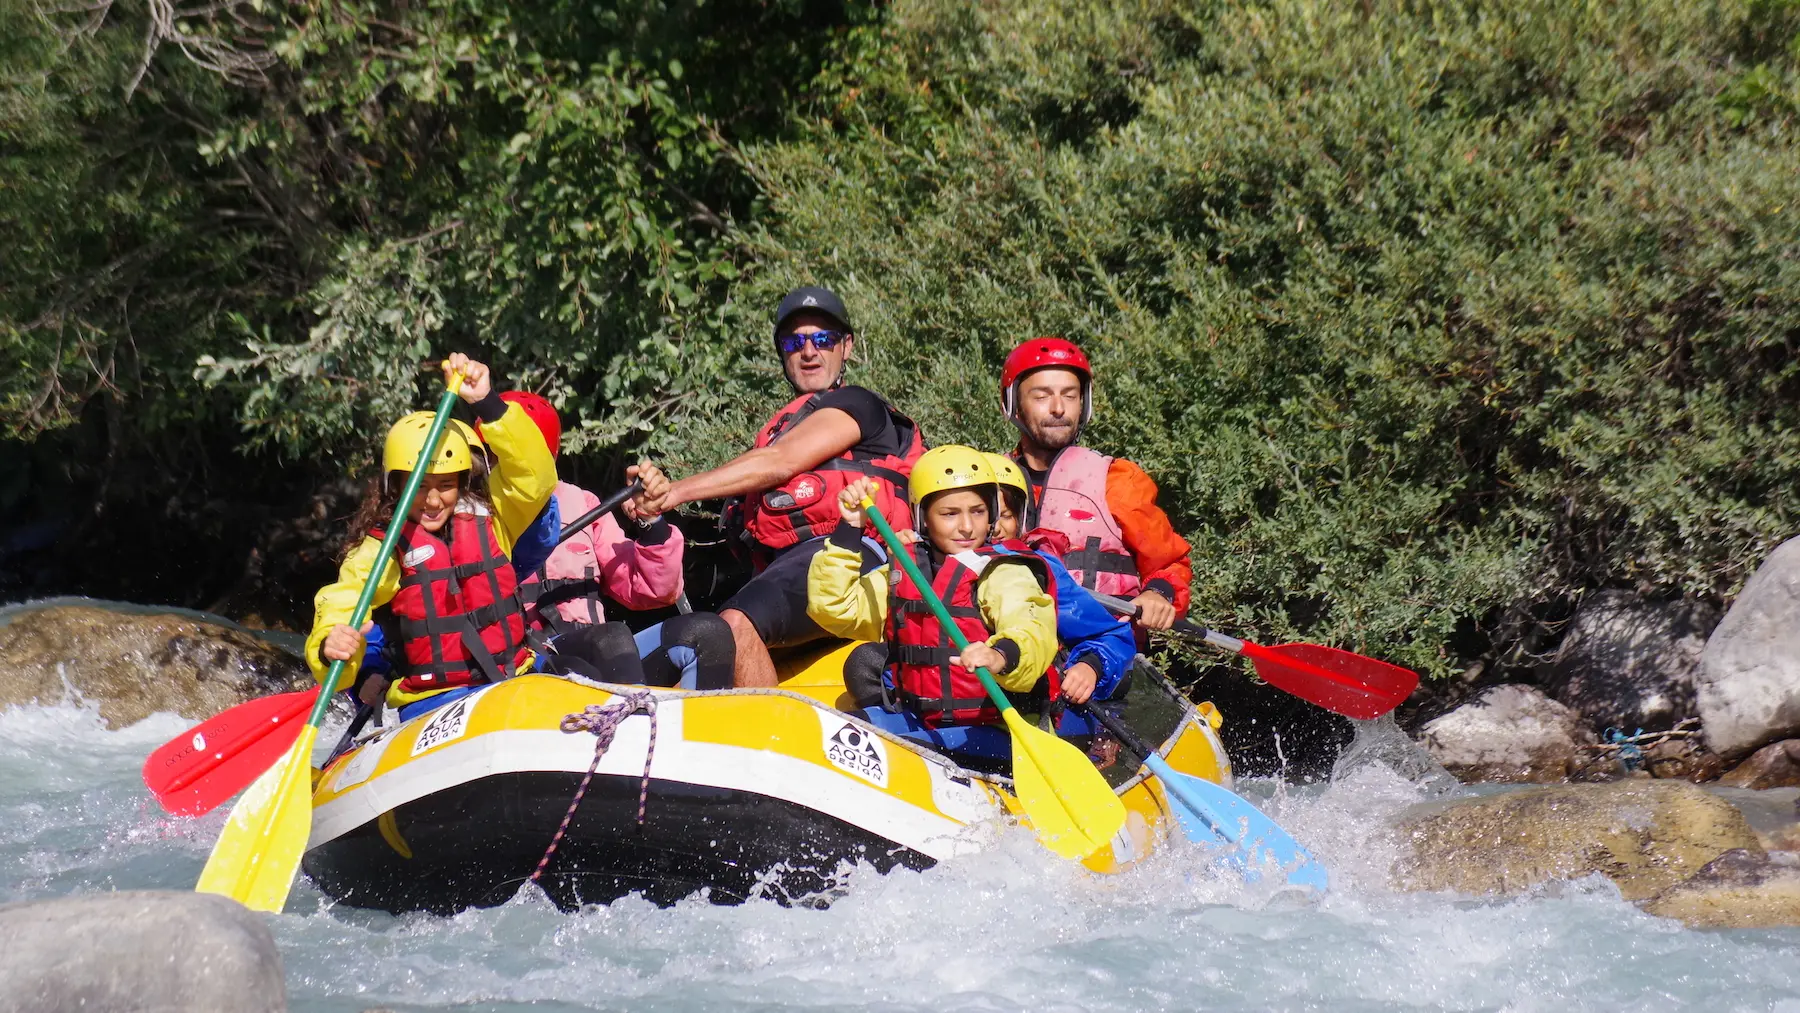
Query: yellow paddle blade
(259, 850)
(1073, 809)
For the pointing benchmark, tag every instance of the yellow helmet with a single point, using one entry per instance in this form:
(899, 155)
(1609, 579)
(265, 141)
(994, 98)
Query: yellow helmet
(1007, 471)
(407, 437)
(944, 468)
(470, 434)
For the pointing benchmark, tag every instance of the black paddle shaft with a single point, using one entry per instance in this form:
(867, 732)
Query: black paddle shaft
(607, 505)
(1121, 607)
(1120, 729)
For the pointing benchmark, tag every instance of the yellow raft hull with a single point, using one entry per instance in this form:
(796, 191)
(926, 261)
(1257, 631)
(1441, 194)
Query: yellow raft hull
(751, 793)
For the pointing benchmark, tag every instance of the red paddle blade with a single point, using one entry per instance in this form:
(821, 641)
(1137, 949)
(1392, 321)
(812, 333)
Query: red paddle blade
(194, 772)
(1339, 681)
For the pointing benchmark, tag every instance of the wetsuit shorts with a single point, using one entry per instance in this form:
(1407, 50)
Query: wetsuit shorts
(775, 599)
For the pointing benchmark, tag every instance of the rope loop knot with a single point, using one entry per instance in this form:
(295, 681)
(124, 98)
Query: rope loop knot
(603, 720)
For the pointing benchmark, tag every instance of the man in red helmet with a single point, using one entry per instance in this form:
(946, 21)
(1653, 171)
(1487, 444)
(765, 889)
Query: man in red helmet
(828, 436)
(1119, 541)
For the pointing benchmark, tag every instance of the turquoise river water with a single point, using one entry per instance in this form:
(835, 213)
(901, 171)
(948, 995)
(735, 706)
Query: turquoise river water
(1010, 929)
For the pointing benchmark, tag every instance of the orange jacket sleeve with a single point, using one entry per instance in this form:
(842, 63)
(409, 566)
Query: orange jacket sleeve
(1161, 554)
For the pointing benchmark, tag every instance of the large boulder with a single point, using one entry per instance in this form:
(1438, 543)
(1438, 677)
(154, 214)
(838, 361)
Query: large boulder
(131, 666)
(142, 950)
(1738, 890)
(1749, 688)
(1509, 733)
(1776, 765)
(1646, 836)
(1630, 663)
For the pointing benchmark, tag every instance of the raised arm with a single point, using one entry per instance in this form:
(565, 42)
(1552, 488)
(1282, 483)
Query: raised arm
(823, 435)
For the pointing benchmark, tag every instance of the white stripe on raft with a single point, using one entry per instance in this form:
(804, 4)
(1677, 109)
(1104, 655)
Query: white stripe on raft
(759, 771)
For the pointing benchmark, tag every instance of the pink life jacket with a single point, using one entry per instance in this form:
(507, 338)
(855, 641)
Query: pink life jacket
(1073, 502)
(587, 563)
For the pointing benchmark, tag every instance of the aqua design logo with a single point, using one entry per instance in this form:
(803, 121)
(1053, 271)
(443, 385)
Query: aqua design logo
(857, 750)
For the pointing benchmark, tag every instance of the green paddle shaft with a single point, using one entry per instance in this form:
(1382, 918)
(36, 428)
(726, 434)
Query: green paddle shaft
(364, 600)
(899, 553)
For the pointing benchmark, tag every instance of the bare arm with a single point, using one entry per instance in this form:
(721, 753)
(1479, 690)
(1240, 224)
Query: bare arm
(825, 434)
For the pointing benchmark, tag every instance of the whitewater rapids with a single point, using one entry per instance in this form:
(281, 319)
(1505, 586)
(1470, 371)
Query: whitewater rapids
(1009, 929)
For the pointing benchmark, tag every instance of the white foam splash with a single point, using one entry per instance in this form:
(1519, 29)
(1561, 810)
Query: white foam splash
(1008, 929)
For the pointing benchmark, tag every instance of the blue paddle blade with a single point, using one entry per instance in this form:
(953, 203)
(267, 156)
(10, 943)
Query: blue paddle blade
(1214, 816)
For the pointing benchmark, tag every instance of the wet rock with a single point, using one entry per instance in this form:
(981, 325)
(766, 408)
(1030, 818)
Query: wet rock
(142, 950)
(1748, 693)
(1509, 733)
(1644, 835)
(1686, 759)
(1784, 838)
(1630, 663)
(1773, 766)
(132, 666)
(1740, 889)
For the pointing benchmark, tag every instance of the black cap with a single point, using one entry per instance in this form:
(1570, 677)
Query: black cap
(815, 299)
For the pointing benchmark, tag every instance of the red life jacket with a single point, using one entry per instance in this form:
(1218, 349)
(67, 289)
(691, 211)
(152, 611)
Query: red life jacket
(806, 506)
(918, 651)
(459, 619)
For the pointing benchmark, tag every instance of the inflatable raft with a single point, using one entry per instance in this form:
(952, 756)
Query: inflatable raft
(751, 793)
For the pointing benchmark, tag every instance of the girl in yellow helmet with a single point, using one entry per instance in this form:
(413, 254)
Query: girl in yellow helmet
(998, 601)
(446, 599)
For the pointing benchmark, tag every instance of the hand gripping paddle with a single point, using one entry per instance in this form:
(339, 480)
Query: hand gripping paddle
(1072, 808)
(1339, 681)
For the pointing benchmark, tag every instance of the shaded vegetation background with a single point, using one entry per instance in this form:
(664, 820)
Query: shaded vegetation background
(1430, 317)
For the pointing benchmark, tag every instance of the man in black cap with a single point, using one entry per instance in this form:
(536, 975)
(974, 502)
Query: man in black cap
(828, 436)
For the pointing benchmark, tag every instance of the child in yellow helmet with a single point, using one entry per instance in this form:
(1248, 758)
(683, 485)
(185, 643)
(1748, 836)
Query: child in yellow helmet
(446, 600)
(998, 601)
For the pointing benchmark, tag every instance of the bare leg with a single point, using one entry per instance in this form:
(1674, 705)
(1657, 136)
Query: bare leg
(754, 669)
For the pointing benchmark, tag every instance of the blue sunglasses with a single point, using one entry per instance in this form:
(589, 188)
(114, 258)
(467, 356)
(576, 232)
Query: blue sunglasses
(824, 341)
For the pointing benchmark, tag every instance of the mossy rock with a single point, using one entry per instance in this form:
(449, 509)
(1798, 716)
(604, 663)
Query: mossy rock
(131, 666)
(1646, 836)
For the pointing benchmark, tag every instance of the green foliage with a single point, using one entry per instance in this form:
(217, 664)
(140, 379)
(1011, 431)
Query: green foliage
(1428, 316)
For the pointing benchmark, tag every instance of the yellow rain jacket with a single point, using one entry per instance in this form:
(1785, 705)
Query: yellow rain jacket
(519, 485)
(848, 603)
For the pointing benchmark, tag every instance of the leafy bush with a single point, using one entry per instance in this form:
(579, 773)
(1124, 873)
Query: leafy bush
(1428, 317)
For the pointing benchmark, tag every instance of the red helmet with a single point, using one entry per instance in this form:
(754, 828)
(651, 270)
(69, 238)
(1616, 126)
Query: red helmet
(542, 414)
(1040, 353)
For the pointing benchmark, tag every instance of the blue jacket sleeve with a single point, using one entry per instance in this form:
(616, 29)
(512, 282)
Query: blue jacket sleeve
(535, 542)
(375, 658)
(1085, 627)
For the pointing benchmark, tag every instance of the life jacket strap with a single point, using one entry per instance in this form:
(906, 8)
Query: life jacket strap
(1092, 561)
(921, 607)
